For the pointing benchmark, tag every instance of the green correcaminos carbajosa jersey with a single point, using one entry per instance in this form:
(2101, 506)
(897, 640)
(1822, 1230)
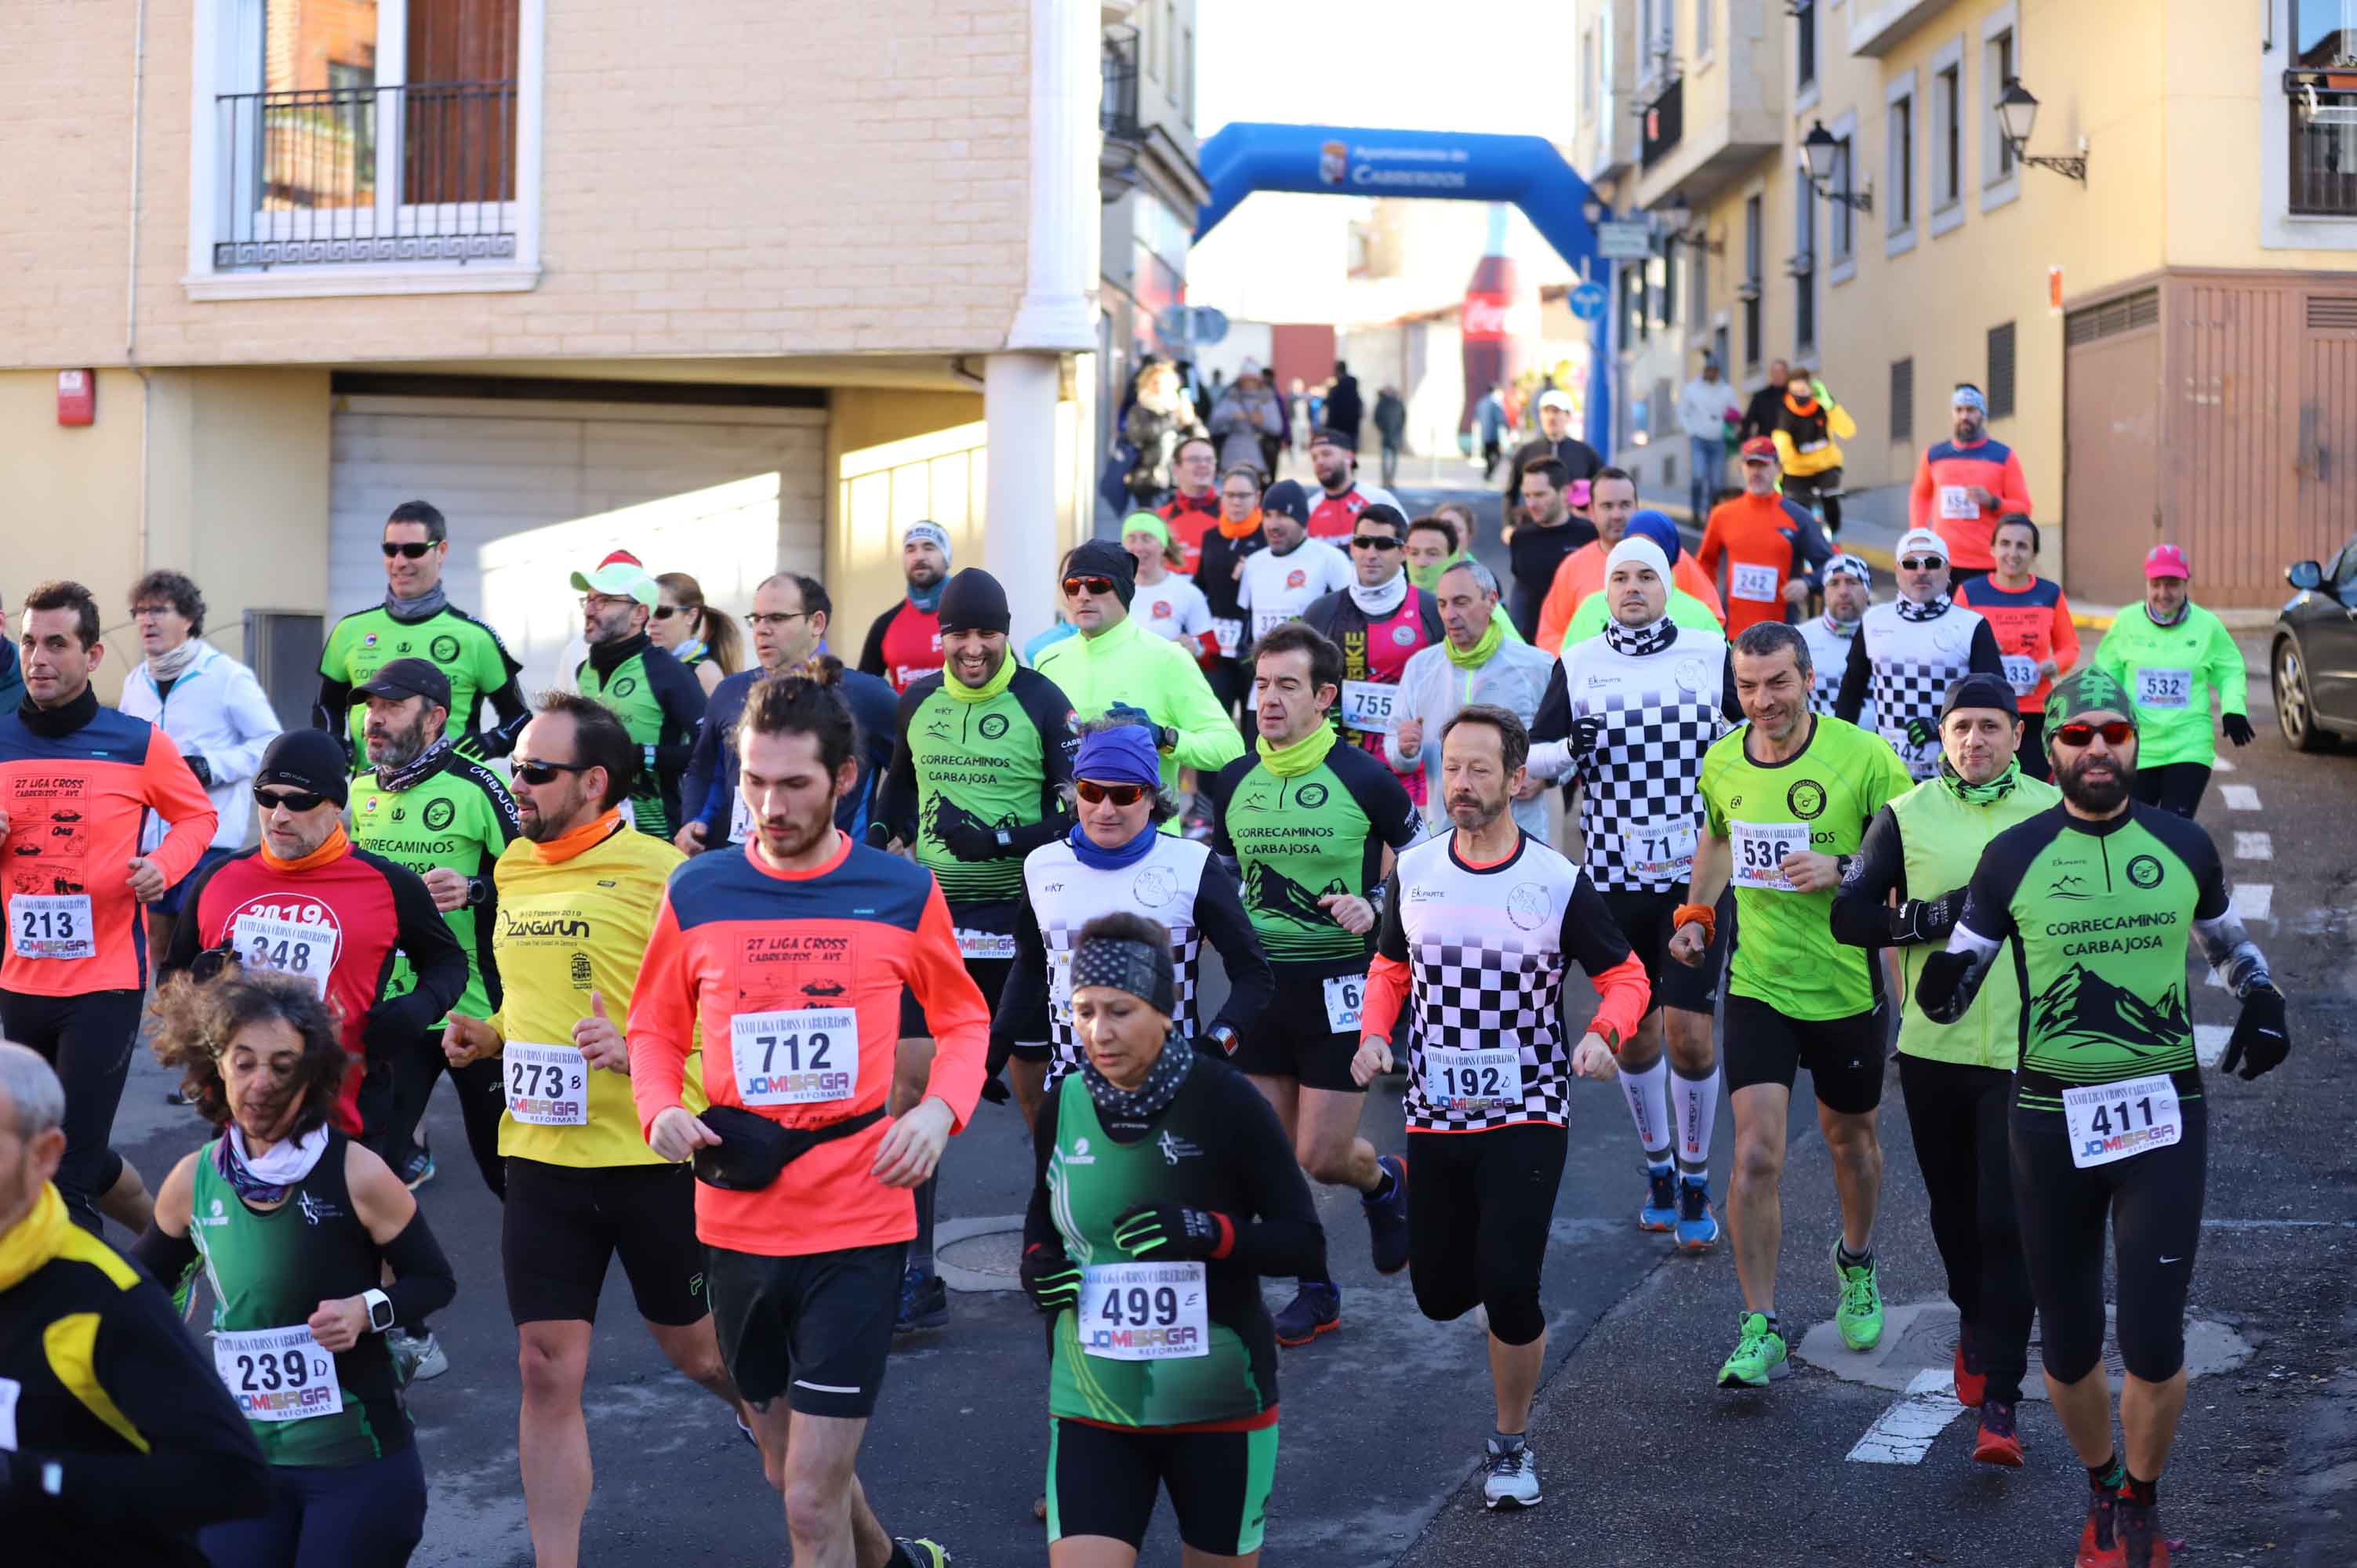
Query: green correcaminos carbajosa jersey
(1092, 1182)
(1297, 839)
(994, 764)
(459, 817)
(462, 647)
(2102, 914)
(1819, 800)
(635, 689)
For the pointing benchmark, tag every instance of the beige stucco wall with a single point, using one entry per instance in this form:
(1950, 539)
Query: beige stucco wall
(237, 495)
(721, 176)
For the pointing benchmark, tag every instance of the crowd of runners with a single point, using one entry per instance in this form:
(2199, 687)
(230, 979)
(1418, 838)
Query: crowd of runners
(719, 960)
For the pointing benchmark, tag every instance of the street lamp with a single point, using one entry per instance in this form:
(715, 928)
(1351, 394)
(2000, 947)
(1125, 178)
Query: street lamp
(1818, 150)
(1680, 220)
(2017, 116)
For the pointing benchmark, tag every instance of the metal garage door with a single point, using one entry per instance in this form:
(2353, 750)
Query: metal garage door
(729, 494)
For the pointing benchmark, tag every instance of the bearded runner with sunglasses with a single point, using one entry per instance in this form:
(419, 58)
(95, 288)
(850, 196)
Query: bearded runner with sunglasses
(985, 750)
(1380, 621)
(790, 955)
(2100, 897)
(417, 620)
(1314, 826)
(306, 901)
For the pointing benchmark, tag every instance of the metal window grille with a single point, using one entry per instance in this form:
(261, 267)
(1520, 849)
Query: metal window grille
(2000, 371)
(1902, 399)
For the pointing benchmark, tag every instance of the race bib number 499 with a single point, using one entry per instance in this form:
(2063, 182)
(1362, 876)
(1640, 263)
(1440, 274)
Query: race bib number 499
(1145, 1312)
(805, 1057)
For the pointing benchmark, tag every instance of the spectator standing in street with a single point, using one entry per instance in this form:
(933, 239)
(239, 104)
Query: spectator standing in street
(1704, 404)
(1194, 505)
(1810, 428)
(209, 704)
(1390, 429)
(1760, 414)
(1246, 418)
(1344, 410)
(1555, 440)
(1489, 424)
(1155, 424)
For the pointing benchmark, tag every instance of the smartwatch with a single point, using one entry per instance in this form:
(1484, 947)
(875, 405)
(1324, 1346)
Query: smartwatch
(1006, 839)
(380, 1310)
(1223, 1036)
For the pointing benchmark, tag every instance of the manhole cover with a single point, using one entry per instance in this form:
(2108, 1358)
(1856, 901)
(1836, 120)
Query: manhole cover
(983, 1254)
(1920, 1336)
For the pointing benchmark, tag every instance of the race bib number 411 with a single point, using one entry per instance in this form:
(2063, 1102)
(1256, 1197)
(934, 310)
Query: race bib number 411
(2119, 1121)
(805, 1057)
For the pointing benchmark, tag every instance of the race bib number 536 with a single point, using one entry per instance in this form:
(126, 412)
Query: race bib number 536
(1759, 851)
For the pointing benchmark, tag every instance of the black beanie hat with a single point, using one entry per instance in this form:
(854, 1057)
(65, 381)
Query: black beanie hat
(1288, 497)
(1979, 689)
(307, 760)
(1103, 558)
(972, 601)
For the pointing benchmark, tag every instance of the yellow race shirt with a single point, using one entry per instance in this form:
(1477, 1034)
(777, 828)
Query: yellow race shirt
(563, 930)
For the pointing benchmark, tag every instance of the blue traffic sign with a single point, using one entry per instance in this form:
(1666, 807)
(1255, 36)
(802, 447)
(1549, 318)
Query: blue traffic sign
(1589, 300)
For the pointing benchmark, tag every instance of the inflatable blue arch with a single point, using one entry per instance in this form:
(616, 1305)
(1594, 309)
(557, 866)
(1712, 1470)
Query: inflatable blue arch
(1347, 160)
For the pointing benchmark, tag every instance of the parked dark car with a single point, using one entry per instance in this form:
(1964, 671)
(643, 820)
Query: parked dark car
(2314, 659)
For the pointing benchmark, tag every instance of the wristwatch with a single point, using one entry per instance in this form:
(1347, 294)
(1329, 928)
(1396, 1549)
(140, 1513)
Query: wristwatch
(1166, 737)
(380, 1310)
(1006, 838)
(1225, 1037)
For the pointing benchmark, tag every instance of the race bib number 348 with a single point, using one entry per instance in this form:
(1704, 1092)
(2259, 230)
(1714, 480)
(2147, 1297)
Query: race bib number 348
(806, 1057)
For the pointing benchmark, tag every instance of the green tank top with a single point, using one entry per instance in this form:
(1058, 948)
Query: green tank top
(634, 700)
(980, 761)
(1092, 1182)
(269, 1271)
(458, 818)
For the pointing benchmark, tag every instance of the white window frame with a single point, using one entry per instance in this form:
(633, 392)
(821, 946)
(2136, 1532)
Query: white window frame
(1899, 100)
(1705, 36)
(1947, 206)
(1995, 189)
(1806, 93)
(2281, 228)
(1842, 220)
(227, 58)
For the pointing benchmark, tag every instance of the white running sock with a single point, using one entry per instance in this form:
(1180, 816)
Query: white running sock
(1697, 1107)
(1648, 1093)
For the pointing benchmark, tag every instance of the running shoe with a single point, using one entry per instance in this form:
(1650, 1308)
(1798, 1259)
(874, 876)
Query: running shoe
(415, 1358)
(1971, 1382)
(1698, 1219)
(920, 1553)
(1998, 1442)
(1387, 1218)
(417, 1170)
(2141, 1544)
(1510, 1477)
(1860, 1315)
(1759, 1359)
(1659, 1209)
(1315, 1309)
(2099, 1543)
(746, 1431)
(924, 1303)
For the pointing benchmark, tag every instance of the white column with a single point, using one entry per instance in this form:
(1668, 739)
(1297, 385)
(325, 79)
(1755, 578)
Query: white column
(1059, 308)
(1022, 542)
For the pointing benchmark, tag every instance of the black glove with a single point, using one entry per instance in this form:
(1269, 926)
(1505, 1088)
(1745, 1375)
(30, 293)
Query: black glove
(204, 770)
(2261, 1040)
(1585, 731)
(1930, 919)
(1051, 1280)
(878, 834)
(1919, 732)
(995, 1090)
(1157, 1231)
(2237, 728)
(470, 746)
(970, 839)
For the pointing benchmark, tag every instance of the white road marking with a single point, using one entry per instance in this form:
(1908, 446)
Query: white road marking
(2223, 764)
(2210, 1041)
(2239, 797)
(1905, 1433)
(2214, 981)
(2256, 900)
(2278, 1224)
(2255, 846)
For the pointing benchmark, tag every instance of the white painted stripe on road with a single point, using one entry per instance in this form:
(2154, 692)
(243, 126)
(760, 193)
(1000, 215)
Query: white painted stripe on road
(2255, 846)
(2223, 764)
(1905, 1433)
(2256, 900)
(2214, 981)
(2239, 797)
(2210, 1041)
(2278, 1224)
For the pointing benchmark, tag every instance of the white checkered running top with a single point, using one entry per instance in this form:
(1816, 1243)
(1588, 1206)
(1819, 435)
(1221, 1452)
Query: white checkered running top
(1828, 657)
(1066, 894)
(1639, 811)
(1486, 953)
(1913, 663)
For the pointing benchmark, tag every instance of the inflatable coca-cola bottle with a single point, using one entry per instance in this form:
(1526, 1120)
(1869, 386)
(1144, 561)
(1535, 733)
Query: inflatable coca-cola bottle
(1497, 320)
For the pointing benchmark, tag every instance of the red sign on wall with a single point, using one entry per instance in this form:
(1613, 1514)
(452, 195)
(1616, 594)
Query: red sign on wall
(76, 397)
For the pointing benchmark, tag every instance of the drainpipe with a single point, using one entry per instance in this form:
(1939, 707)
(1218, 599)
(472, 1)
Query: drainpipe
(1023, 531)
(130, 266)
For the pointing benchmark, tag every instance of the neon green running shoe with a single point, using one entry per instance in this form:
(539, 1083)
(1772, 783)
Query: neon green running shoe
(1759, 1358)
(1860, 1315)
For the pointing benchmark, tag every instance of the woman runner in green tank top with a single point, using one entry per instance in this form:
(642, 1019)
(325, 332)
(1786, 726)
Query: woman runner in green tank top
(294, 1227)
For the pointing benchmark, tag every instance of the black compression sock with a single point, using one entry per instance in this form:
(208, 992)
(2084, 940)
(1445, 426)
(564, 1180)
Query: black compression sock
(1855, 1260)
(920, 1251)
(1385, 1187)
(2107, 1476)
(2144, 1494)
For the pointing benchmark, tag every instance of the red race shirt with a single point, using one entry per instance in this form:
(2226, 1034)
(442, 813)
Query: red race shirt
(1334, 517)
(795, 979)
(911, 645)
(1939, 501)
(2032, 627)
(1190, 517)
(1754, 534)
(75, 802)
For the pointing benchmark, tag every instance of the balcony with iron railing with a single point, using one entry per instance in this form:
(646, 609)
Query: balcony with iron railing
(322, 176)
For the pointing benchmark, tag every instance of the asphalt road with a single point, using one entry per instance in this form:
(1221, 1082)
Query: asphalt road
(1646, 1463)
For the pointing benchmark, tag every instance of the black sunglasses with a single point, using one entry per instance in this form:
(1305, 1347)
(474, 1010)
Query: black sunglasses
(1091, 791)
(664, 612)
(530, 771)
(291, 799)
(1374, 542)
(414, 552)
